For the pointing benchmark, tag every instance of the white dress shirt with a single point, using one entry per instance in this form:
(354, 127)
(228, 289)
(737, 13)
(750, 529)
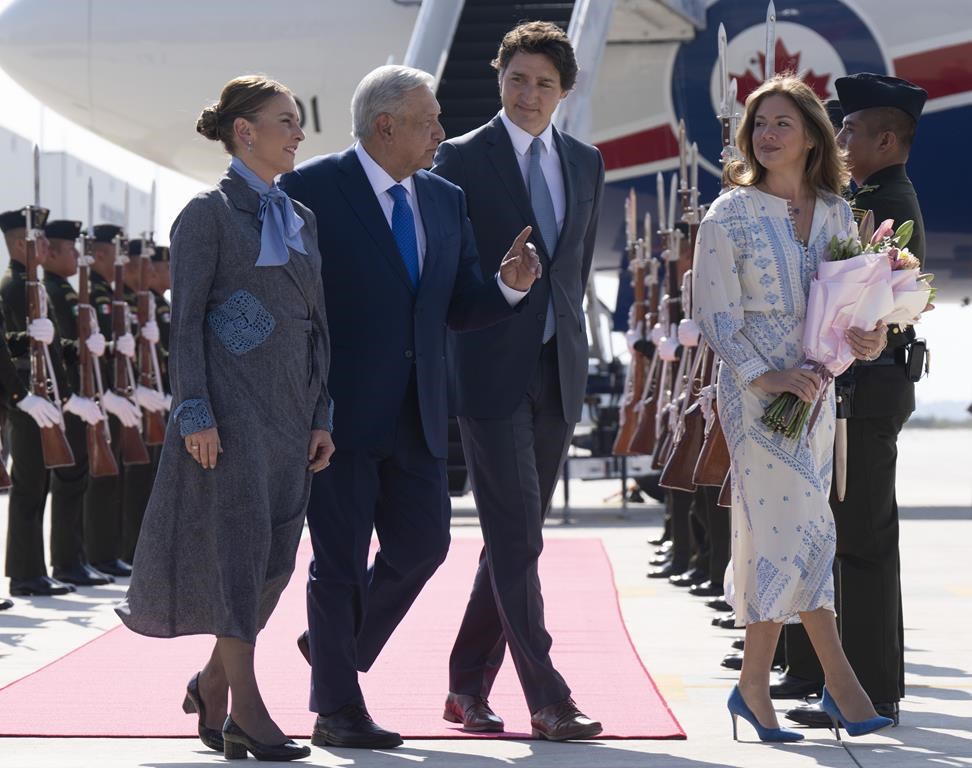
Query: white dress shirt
(381, 182)
(549, 163)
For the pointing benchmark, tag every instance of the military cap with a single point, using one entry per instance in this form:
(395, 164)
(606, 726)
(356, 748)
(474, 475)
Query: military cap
(16, 220)
(62, 229)
(867, 91)
(161, 253)
(835, 113)
(105, 233)
(135, 247)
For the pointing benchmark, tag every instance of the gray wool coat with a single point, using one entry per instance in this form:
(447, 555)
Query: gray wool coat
(249, 355)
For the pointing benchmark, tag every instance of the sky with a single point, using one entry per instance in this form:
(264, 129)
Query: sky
(947, 329)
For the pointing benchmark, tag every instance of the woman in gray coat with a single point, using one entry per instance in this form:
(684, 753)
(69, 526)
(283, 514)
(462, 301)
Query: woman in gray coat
(248, 364)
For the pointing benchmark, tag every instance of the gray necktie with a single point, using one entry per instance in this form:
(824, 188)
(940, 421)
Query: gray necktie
(543, 211)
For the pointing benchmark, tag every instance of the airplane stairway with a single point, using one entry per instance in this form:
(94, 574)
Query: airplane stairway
(468, 92)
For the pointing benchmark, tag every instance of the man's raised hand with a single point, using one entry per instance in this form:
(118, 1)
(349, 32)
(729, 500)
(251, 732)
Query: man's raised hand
(521, 265)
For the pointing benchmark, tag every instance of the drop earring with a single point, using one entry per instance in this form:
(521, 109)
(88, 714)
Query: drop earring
(249, 146)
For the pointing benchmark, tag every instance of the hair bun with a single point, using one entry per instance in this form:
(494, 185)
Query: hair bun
(208, 123)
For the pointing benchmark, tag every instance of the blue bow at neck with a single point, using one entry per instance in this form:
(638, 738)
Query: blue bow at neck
(281, 223)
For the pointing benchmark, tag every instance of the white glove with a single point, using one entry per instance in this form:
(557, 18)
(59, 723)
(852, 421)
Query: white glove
(84, 408)
(96, 344)
(125, 345)
(168, 402)
(123, 408)
(150, 399)
(41, 410)
(150, 332)
(41, 329)
(688, 333)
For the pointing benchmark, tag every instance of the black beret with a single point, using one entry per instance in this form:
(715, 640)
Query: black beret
(62, 229)
(161, 253)
(835, 113)
(16, 220)
(867, 91)
(105, 233)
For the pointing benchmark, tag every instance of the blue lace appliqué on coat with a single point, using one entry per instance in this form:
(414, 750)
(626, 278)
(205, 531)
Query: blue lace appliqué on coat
(242, 323)
(192, 416)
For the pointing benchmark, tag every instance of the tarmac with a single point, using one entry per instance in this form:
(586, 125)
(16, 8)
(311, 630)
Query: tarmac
(671, 632)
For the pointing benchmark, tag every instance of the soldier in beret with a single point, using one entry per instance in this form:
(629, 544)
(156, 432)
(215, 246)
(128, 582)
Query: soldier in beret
(103, 502)
(27, 414)
(880, 118)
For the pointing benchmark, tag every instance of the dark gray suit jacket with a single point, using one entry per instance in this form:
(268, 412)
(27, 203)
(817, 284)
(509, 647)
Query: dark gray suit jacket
(492, 367)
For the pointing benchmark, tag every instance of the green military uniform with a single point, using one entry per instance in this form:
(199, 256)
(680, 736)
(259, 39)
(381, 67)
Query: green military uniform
(103, 510)
(31, 479)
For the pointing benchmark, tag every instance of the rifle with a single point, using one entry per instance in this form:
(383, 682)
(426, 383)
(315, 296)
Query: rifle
(635, 376)
(133, 450)
(687, 441)
(54, 444)
(101, 461)
(153, 422)
(713, 464)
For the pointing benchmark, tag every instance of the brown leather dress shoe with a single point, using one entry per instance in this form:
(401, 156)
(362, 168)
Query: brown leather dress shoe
(563, 721)
(473, 712)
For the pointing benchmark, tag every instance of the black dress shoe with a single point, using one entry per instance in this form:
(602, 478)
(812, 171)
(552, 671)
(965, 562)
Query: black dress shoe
(563, 721)
(236, 744)
(193, 702)
(813, 715)
(706, 589)
(719, 604)
(660, 560)
(662, 572)
(787, 686)
(688, 578)
(739, 644)
(352, 726)
(665, 548)
(732, 661)
(303, 645)
(114, 568)
(473, 712)
(6, 604)
(43, 586)
(658, 541)
(82, 575)
(729, 622)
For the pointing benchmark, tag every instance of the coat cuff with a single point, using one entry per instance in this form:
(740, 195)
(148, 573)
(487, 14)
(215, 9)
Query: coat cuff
(193, 415)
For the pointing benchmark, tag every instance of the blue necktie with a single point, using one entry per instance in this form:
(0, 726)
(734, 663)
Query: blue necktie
(543, 211)
(403, 230)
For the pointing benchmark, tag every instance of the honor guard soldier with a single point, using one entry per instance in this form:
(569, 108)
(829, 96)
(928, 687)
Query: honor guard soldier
(27, 415)
(104, 522)
(62, 263)
(159, 283)
(138, 478)
(880, 117)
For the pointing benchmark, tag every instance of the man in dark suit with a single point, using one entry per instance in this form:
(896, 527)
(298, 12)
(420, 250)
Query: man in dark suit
(520, 385)
(881, 116)
(400, 265)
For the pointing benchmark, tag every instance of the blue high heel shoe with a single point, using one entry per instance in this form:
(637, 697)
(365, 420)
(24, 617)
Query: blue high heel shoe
(876, 723)
(738, 708)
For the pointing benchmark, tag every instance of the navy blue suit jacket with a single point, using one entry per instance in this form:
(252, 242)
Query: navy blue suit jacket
(379, 326)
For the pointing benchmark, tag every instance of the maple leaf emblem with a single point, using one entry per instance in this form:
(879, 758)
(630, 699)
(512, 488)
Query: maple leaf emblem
(785, 62)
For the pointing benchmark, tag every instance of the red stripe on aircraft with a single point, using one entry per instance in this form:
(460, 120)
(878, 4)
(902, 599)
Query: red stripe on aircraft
(647, 146)
(941, 72)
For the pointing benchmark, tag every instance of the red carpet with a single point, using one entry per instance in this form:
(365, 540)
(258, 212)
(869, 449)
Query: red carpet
(122, 684)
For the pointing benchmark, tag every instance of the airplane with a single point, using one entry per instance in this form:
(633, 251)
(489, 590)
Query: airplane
(138, 73)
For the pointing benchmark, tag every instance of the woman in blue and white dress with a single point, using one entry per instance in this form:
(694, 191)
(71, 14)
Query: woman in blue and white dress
(757, 249)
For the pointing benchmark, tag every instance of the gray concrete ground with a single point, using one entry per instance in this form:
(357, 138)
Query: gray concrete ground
(671, 632)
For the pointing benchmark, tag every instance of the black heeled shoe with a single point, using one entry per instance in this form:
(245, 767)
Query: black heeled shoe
(236, 744)
(193, 702)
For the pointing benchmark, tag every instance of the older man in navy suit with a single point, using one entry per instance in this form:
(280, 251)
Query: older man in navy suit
(400, 266)
(520, 385)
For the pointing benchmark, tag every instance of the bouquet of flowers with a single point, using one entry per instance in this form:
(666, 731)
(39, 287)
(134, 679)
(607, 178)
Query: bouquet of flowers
(870, 278)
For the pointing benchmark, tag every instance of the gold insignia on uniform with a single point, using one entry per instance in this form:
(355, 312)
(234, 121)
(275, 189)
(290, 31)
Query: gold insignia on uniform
(858, 214)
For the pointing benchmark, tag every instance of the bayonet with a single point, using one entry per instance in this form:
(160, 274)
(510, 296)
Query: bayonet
(770, 68)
